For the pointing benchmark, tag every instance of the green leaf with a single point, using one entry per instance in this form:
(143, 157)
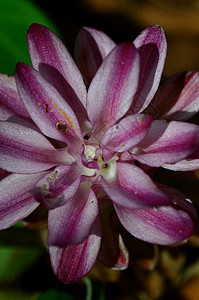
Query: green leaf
(53, 295)
(15, 18)
(14, 261)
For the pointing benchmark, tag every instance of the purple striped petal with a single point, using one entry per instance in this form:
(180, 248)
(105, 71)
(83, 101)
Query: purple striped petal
(162, 225)
(112, 89)
(152, 46)
(24, 150)
(10, 103)
(58, 186)
(72, 223)
(127, 133)
(167, 143)
(91, 47)
(16, 202)
(73, 262)
(45, 105)
(134, 189)
(46, 48)
(177, 98)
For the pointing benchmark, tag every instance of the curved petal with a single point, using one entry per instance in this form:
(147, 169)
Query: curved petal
(164, 225)
(127, 133)
(112, 89)
(91, 47)
(76, 219)
(134, 189)
(24, 150)
(47, 108)
(53, 76)
(58, 186)
(167, 143)
(16, 202)
(10, 102)
(46, 48)
(191, 163)
(177, 98)
(73, 262)
(152, 46)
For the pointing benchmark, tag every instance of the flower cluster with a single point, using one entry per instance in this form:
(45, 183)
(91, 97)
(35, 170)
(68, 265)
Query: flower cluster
(82, 140)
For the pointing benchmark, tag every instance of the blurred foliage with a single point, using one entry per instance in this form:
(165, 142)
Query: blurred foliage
(15, 18)
(15, 261)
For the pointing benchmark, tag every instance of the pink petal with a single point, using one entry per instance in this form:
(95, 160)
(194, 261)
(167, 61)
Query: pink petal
(162, 225)
(152, 46)
(127, 133)
(16, 202)
(177, 98)
(113, 253)
(46, 48)
(191, 163)
(167, 143)
(46, 106)
(112, 89)
(10, 103)
(58, 186)
(134, 189)
(24, 150)
(73, 262)
(72, 223)
(91, 47)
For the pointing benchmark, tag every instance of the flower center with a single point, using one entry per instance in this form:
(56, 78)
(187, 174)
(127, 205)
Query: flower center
(109, 170)
(89, 152)
(94, 165)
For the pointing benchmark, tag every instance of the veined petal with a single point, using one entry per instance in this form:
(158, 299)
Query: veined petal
(16, 202)
(134, 188)
(152, 47)
(112, 89)
(162, 225)
(73, 262)
(127, 133)
(91, 47)
(46, 48)
(76, 218)
(58, 186)
(47, 108)
(10, 102)
(168, 143)
(24, 150)
(177, 98)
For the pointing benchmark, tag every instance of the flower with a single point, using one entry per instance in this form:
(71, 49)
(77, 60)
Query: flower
(82, 152)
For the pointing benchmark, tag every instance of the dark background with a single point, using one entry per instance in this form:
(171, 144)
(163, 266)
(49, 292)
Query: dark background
(123, 19)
